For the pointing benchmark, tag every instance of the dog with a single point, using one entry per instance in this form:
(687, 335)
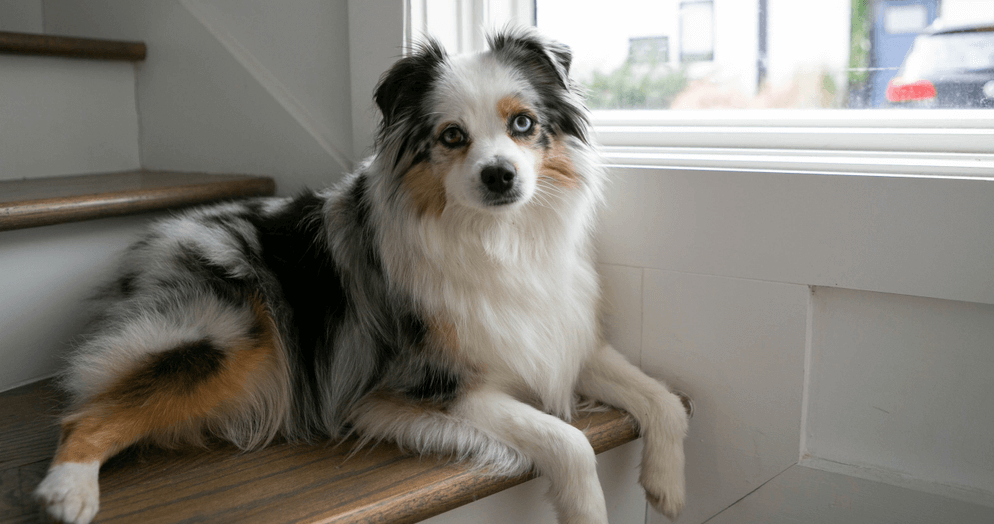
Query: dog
(443, 297)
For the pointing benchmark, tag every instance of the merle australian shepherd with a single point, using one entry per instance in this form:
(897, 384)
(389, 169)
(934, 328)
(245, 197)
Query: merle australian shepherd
(443, 297)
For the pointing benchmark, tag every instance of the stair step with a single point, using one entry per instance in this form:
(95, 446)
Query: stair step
(70, 47)
(280, 483)
(56, 200)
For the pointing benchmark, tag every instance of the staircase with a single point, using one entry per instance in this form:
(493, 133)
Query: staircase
(70, 160)
(45, 118)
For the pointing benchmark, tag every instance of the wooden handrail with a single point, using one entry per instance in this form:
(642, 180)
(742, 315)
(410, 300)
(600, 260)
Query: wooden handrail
(70, 47)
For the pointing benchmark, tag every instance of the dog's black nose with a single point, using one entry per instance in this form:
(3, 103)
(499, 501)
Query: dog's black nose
(499, 177)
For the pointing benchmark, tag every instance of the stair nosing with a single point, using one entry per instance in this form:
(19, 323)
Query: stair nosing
(59, 207)
(71, 47)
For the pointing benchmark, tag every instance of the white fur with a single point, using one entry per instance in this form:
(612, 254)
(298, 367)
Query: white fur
(70, 492)
(660, 414)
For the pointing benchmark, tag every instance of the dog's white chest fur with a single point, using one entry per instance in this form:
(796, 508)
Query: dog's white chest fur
(524, 312)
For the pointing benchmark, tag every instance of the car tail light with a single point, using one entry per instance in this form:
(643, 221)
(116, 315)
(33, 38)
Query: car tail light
(900, 91)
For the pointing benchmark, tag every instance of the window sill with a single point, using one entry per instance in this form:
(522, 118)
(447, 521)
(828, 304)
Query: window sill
(967, 132)
(805, 161)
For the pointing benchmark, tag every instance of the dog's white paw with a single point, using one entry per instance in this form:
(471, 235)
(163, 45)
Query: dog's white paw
(70, 493)
(665, 490)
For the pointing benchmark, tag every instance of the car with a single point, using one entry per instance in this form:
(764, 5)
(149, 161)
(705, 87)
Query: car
(947, 67)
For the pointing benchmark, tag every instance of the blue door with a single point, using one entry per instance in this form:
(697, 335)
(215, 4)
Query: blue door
(896, 23)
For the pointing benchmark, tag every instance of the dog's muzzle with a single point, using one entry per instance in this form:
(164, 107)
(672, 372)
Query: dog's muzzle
(499, 180)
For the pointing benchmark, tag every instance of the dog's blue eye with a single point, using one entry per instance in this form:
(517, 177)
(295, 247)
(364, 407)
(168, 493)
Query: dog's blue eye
(453, 136)
(522, 124)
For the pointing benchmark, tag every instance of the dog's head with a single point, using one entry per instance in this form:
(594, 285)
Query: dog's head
(483, 131)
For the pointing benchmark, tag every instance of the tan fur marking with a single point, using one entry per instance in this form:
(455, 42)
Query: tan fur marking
(426, 189)
(510, 106)
(557, 167)
(111, 421)
(444, 338)
(443, 334)
(392, 406)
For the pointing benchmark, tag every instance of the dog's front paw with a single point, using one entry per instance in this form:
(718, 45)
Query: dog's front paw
(665, 490)
(70, 493)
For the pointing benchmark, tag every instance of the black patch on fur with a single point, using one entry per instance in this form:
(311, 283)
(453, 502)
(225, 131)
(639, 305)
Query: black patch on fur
(402, 95)
(215, 278)
(543, 140)
(358, 207)
(258, 328)
(294, 250)
(180, 369)
(413, 330)
(423, 379)
(436, 385)
(144, 242)
(126, 284)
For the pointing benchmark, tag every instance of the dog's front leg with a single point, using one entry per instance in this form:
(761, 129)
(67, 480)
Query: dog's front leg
(608, 377)
(559, 451)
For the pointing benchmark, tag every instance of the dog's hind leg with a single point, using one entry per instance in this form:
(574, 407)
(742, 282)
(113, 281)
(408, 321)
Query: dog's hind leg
(168, 396)
(608, 377)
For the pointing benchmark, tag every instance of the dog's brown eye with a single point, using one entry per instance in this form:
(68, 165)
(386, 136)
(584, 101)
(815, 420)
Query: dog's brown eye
(453, 136)
(522, 124)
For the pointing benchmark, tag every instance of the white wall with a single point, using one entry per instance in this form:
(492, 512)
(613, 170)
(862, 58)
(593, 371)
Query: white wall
(21, 16)
(717, 268)
(377, 32)
(903, 384)
(617, 470)
(201, 108)
(60, 116)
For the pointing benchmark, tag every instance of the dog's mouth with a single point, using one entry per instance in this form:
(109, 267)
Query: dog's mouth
(501, 200)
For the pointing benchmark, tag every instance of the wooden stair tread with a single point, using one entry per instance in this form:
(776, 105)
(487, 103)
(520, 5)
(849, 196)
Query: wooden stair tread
(70, 47)
(55, 200)
(280, 483)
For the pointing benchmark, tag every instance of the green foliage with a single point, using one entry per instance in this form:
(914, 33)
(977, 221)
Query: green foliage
(829, 91)
(652, 86)
(859, 43)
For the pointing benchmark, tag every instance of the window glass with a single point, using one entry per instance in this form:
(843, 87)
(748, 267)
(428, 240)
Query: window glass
(900, 19)
(727, 54)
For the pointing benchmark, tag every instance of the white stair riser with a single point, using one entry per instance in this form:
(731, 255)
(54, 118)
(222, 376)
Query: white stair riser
(62, 116)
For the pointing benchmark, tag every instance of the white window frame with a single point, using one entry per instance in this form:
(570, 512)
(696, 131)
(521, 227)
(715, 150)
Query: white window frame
(471, 16)
(942, 143)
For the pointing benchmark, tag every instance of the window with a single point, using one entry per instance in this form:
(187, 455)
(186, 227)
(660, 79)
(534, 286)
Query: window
(692, 82)
(696, 31)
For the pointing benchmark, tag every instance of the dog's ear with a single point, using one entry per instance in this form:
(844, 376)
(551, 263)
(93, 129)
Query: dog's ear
(545, 64)
(404, 86)
(527, 45)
